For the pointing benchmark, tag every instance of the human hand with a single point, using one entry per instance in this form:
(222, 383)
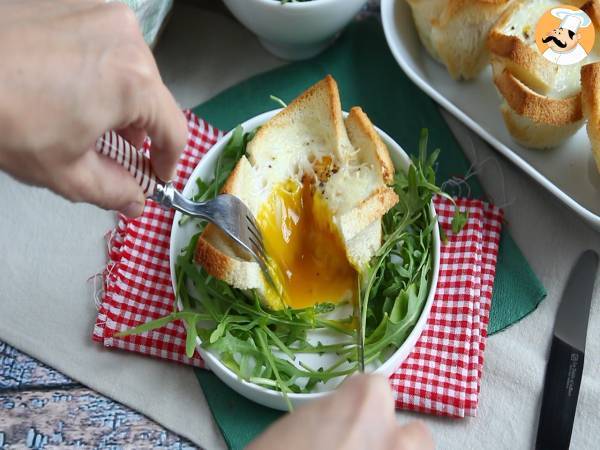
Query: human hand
(359, 415)
(69, 71)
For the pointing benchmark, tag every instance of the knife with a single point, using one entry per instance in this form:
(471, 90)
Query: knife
(565, 364)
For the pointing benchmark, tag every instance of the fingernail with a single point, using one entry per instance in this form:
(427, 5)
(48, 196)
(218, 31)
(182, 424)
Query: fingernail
(134, 209)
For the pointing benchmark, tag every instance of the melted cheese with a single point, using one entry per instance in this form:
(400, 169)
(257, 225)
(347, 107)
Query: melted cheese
(305, 250)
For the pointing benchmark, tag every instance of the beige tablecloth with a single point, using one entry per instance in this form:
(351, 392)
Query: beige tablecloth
(50, 247)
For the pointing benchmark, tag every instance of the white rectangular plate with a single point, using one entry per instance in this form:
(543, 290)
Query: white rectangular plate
(568, 172)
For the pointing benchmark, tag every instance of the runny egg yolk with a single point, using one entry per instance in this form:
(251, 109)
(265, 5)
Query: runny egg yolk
(305, 250)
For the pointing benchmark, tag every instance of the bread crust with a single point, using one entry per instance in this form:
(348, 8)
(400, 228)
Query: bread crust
(327, 85)
(590, 83)
(454, 31)
(454, 8)
(590, 98)
(539, 108)
(223, 260)
(215, 252)
(358, 118)
(522, 60)
(592, 9)
(536, 135)
(590, 87)
(234, 176)
(214, 261)
(479, 8)
(367, 211)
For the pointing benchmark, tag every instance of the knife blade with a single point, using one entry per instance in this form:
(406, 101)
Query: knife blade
(565, 364)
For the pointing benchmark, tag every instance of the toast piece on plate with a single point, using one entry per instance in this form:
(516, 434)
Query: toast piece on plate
(590, 96)
(511, 43)
(559, 110)
(307, 145)
(454, 31)
(541, 101)
(534, 134)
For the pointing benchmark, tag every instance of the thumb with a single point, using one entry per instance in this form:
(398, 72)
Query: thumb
(96, 179)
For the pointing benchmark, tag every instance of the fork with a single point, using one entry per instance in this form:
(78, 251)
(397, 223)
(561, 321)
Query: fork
(225, 211)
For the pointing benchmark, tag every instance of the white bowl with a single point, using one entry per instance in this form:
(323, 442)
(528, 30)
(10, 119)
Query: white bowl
(295, 30)
(180, 236)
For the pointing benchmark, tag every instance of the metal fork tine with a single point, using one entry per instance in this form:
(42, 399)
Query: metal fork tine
(256, 235)
(262, 262)
(227, 212)
(253, 226)
(258, 249)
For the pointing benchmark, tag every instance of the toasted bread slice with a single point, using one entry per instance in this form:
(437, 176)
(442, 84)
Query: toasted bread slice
(590, 83)
(535, 120)
(363, 136)
(539, 108)
(346, 161)
(511, 43)
(454, 31)
(345, 189)
(533, 134)
(541, 101)
(313, 121)
(525, 62)
(215, 251)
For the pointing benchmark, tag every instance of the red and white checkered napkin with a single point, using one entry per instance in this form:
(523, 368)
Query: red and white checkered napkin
(441, 375)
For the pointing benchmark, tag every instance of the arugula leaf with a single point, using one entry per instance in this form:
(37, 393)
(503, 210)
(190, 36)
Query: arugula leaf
(218, 332)
(158, 323)
(192, 334)
(459, 220)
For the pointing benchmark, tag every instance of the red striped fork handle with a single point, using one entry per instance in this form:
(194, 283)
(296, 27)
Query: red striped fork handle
(137, 164)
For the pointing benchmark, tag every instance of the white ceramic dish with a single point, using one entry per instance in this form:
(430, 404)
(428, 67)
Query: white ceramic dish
(180, 236)
(568, 171)
(295, 30)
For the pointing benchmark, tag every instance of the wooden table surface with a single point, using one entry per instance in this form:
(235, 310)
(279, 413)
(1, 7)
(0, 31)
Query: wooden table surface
(41, 408)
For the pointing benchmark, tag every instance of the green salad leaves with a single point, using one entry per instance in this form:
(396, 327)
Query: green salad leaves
(261, 346)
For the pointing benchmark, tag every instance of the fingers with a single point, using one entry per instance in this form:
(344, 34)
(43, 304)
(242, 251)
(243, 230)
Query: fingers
(412, 436)
(146, 106)
(373, 401)
(132, 95)
(113, 83)
(359, 415)
(167, 127)
(96, 179)
(368, 390)
(135, 136)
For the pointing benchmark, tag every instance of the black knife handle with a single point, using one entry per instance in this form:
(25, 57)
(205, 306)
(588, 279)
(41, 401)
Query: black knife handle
(559, 402)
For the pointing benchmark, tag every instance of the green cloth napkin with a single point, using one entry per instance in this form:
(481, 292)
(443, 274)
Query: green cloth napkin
(367, 76)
